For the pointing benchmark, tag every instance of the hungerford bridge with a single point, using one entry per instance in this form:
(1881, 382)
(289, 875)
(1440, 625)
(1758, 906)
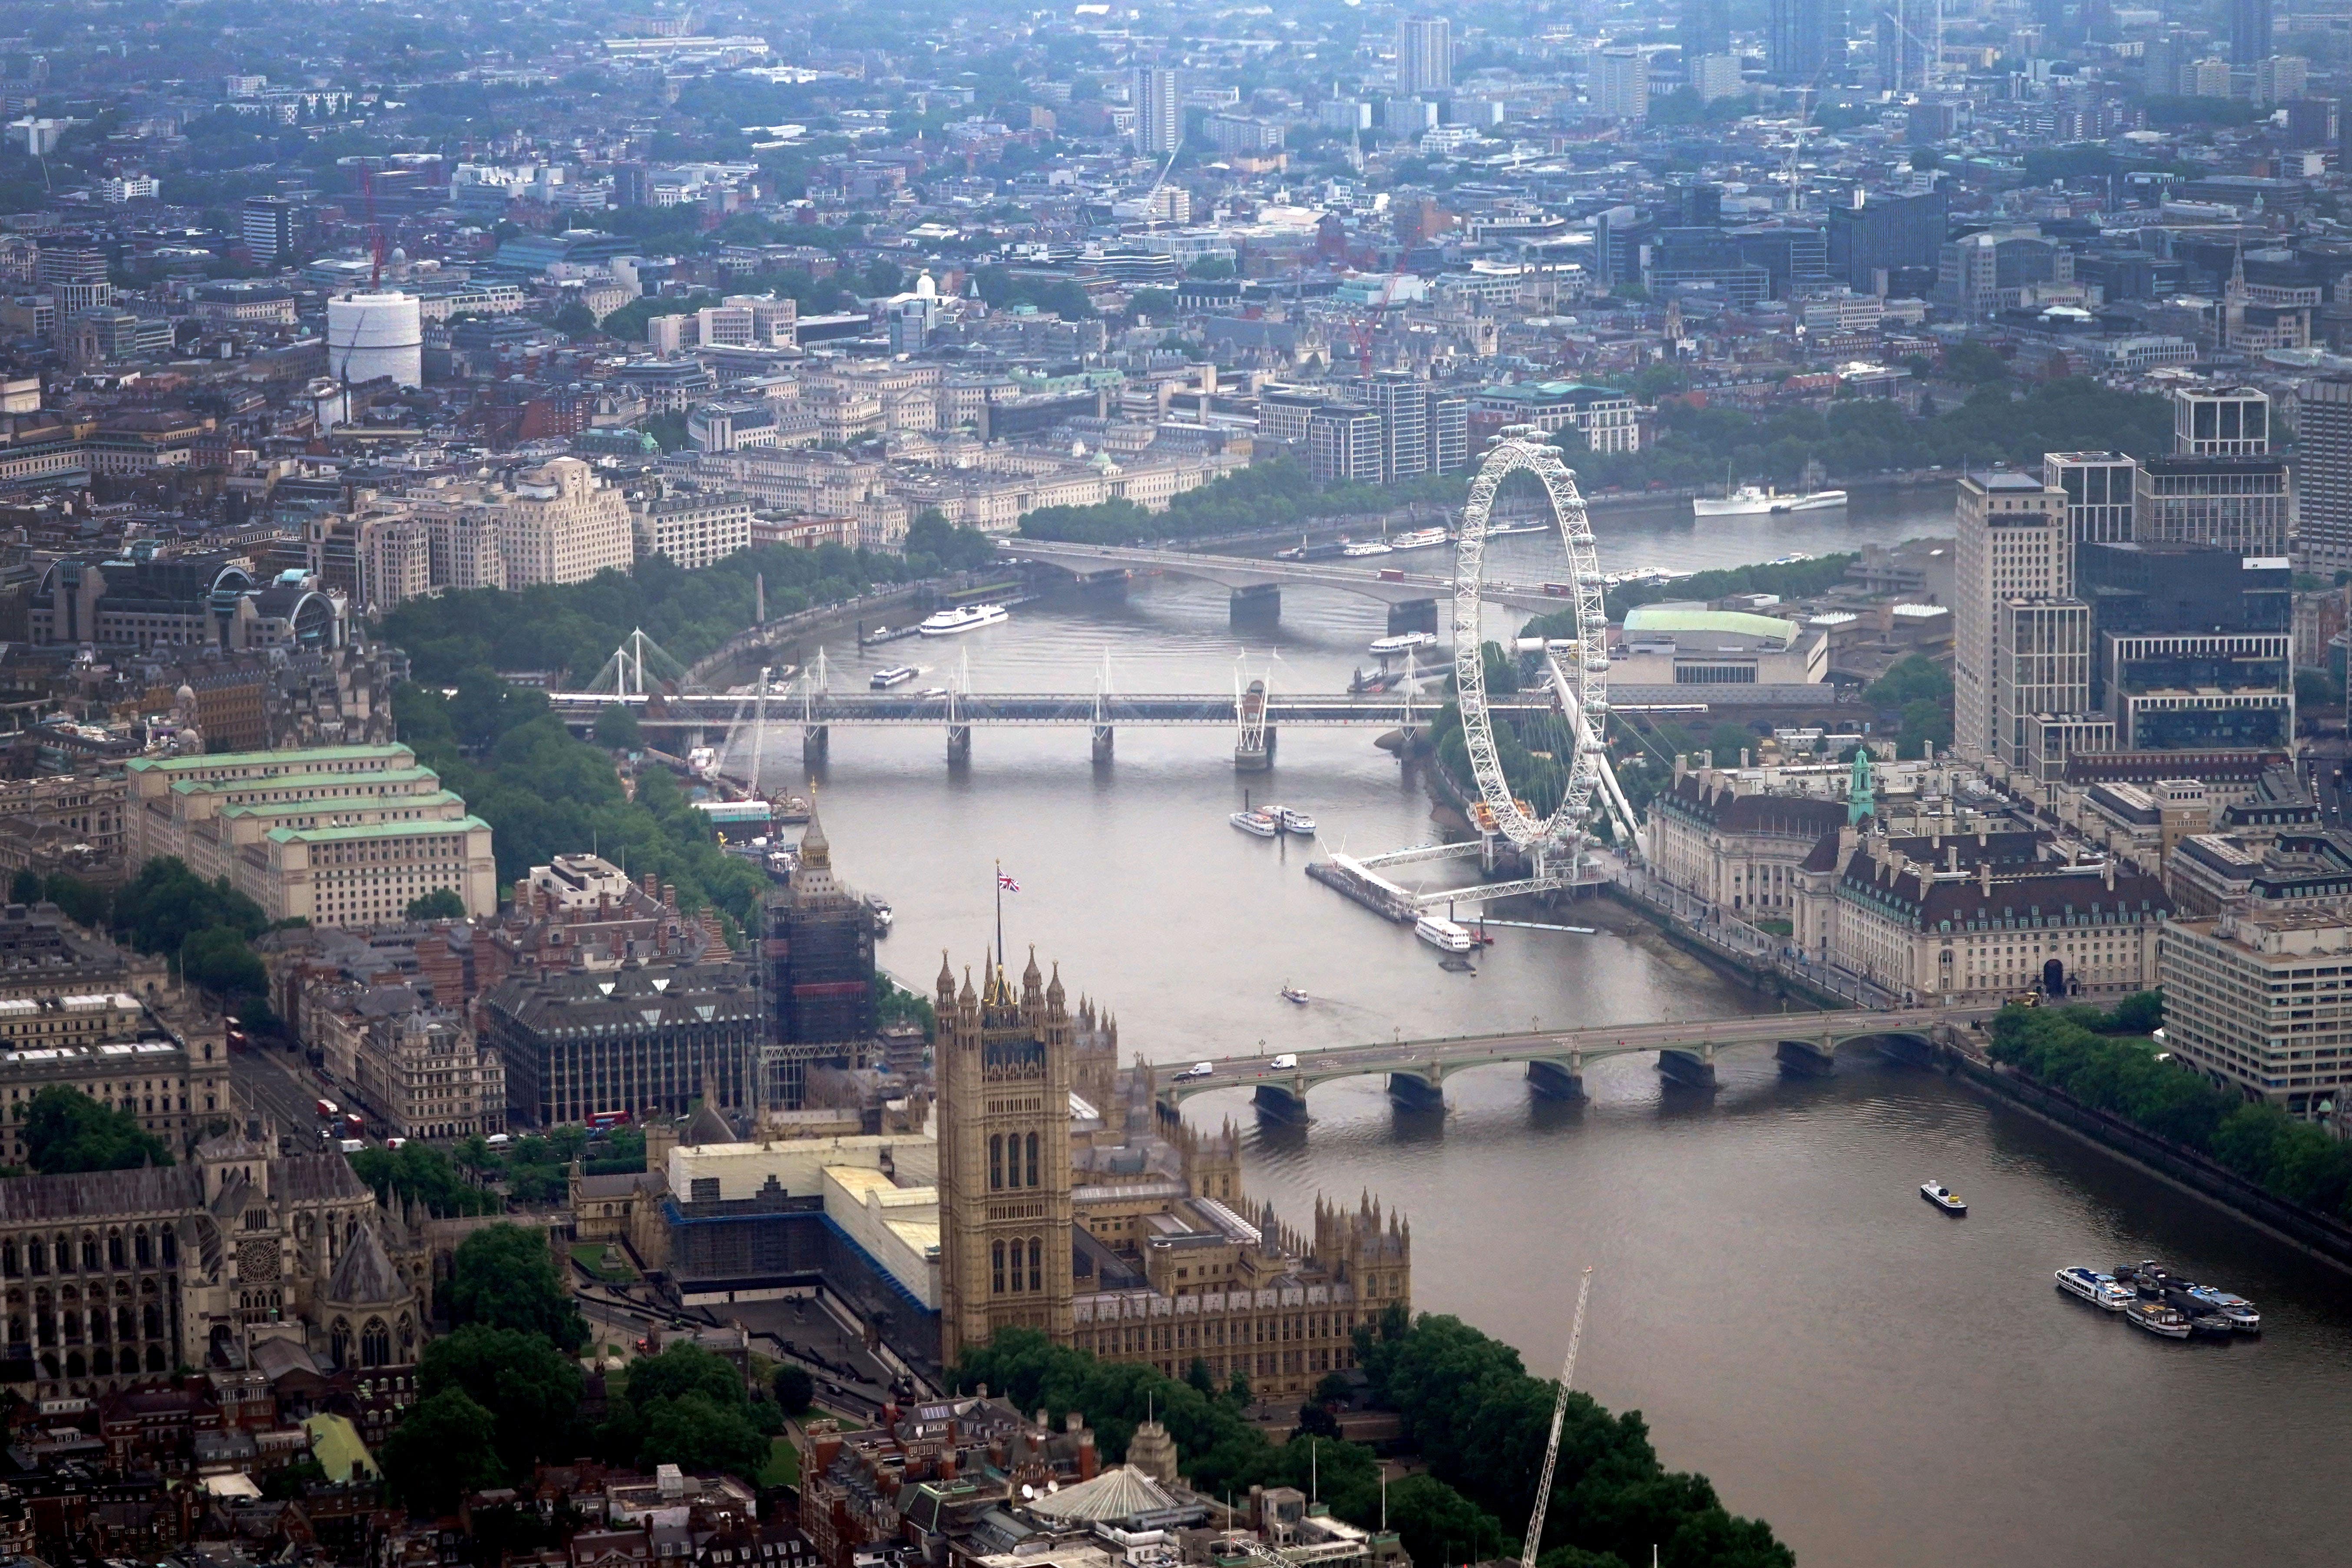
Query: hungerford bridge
(1416, 1070)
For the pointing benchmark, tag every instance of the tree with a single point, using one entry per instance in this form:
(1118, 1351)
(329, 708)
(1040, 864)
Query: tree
(618, 729)
(25, 888)
(1238, 1393)
(66, 1130)
(1976, 362)
(443, 1448)
(1912, 679)
(796, 1389)
(504, 1277)
(1335, 1389)
(219, 960)
(440, 904)
(697, 1433)
(1314, 1421)
(532, 1387)
(575, 319)
(1199, 1376)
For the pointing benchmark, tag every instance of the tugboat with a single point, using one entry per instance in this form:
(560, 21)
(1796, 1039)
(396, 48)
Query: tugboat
(1943, 1197)
(1293, 993)
(2100, 1289)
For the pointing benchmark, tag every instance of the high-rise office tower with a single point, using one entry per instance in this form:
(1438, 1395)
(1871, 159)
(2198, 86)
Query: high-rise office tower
(1401, 400)
(2098, 487)
(2220, 486)
(1705, 29)
(1621, 85)
(2014, 547)
(1804, 40)
(268, 229)
(2322, 476)
(2250, 32)
(1425, 48)
(1158, 110)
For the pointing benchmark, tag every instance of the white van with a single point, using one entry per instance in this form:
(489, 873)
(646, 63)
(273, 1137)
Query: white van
(1284, 1063)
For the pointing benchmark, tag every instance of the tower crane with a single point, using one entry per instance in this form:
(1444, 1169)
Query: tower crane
(1558, 1411)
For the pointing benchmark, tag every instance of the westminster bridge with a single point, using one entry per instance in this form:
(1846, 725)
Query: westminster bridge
(1416, 1070)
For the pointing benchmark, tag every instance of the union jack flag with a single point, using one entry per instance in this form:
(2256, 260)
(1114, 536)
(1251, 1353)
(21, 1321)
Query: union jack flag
(1005, 881)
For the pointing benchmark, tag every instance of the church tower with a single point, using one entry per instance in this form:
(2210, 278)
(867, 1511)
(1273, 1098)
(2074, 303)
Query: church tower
(1005, 1067)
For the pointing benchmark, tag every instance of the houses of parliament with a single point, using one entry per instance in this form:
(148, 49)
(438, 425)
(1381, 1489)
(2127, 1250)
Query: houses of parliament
(1072, 1204)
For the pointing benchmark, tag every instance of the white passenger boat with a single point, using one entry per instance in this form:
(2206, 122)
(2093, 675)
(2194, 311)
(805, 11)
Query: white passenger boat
(1943, 1197)
(1754, 501)
(1442, 934)
(1404, 642)
(896, 674)
(2100, 1289)
(1292, 821)
(1368, 547)
(1419, 539)
(963, 618)
(2167, 1322)
(1262, 822)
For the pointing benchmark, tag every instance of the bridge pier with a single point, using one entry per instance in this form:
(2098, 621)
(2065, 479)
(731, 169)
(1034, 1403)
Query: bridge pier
(1255, 758)
(1694, 1069)
(1275, 1101)
(816, 740)
(1101, 744)
(1554, 1081)
(1258, 602)
(1807, 1059)
(959, 744)
(1412, 616)
(1416, 1091)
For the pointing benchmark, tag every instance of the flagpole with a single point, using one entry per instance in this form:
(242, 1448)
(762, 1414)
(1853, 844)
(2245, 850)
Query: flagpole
(1000, 914)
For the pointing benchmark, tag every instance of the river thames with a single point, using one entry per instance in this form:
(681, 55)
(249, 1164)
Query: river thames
(1883, 1384)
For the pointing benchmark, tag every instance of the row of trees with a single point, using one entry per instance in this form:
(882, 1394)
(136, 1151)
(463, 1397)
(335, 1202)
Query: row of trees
(1479, 1421)
(1267, 494)
(545, 793)
(574, 626)
(502, 1393)
(2106, 1061)
(206, 928)
(66, 1130)
(1697, 446)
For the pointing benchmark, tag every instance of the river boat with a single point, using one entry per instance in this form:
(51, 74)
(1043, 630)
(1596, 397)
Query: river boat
(880, 635)
(1403, 642)
(1262, 822)
(1358, 550)
(896, 674)
(1943, 1197)
(2232, 1308)
(1292, 821)
(883, 915)
(1293, 993)
(2099, 1289)
(2158, 1318)
(1419, 539)
(1329, 550)
(1754, 501)
(1443, 934)
(788, 811)
(1505, 530)
(963, 618)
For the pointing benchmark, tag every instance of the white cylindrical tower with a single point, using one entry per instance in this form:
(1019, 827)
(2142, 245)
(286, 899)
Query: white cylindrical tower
(369, 335)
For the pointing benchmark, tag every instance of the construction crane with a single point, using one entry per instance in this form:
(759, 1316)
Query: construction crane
(1558, 1412)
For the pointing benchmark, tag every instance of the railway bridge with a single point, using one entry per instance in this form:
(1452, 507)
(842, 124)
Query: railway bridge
(1554, 1059)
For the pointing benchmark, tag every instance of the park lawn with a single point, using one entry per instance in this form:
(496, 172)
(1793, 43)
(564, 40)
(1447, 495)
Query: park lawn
(590, 1254)
(783, 1467)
